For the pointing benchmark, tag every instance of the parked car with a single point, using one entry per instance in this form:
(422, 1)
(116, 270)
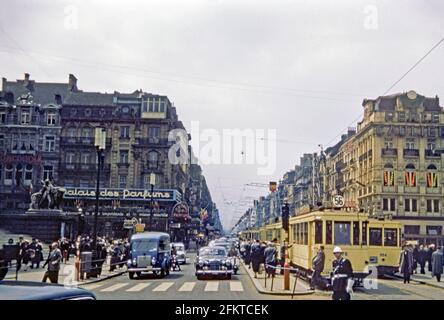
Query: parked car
(149, 252)
(181, 252)
(30, 290)
(213, 261)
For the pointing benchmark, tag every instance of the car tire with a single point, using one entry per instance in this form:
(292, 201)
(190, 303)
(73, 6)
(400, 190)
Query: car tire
(167, 271)
(162, 272)
(139, 274)
(131, 275)
(229, 276)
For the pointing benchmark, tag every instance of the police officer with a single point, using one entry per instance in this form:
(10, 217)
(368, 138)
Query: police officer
(342, 272)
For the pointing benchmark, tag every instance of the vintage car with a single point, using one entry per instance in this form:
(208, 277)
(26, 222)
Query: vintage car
(181, 252)
(229, 247)
(214, 262)
(30, 290)
(149, 252)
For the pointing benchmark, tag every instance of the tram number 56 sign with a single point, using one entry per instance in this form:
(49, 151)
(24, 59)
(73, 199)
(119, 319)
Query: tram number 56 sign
(338, 201)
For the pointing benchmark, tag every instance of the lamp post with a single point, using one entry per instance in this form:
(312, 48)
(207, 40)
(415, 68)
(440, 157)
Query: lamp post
(152, 184)
(99, 143)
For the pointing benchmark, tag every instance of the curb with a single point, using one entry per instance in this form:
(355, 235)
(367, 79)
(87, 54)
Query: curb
(274, 293)
(420, 282)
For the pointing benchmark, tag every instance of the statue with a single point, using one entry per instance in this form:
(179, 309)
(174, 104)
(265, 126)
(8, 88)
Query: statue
(49, 197)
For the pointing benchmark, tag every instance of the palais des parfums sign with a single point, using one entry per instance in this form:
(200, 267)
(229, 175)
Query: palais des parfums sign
(122, 194)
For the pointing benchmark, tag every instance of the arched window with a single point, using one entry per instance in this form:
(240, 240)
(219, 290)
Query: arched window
(28, 174)
(389, 175)
(72, 132)
(18, 174)
(87, 132)
(410, 175)
(432, 176)
(153, 160)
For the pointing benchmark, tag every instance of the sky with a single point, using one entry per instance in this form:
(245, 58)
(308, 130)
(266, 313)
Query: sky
(298, 68)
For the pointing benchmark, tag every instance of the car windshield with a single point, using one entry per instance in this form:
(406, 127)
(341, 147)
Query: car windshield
(143, 245)
(212, 252)
(179, 247)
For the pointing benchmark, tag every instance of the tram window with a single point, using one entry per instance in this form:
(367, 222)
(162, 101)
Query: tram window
(329, 235)
(356, 233)
(390, 237)
(364, 234)
(375, 236)
(305, 233)
(342, 233)
(318, 232)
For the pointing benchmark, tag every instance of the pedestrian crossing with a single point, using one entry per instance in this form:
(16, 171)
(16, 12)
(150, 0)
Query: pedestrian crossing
(159, 287)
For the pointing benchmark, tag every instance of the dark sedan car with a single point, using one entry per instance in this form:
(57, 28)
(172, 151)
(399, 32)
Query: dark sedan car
(213, 261)
(27, 290)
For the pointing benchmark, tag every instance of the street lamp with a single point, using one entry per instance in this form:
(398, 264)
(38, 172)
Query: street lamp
(99, 143)
(152, 183)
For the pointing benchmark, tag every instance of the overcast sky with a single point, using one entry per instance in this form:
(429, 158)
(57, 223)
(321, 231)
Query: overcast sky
(300, 67)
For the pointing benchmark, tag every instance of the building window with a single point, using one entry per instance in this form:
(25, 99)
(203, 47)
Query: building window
(72, 132)
(1, 174)
(84, 183)
(2, 142)
(18, 175)
(51, 119)
(434, 230)
(411, 229)
(26, 117)
(410, 144)
(410, 176)
(2, 117)
(48, 172)
(431, 144)
(9, 170)
(28, 174)
(124, 156)
(432, 205)
(411, 205)
(153, 160)
(388, 204)
(388, 143)
(154, 132)
(122, 182)
(49, 144)
(389, 175)
(87, 132)
(70, 156)
(85, 158)
(432, 176)
(124, 132)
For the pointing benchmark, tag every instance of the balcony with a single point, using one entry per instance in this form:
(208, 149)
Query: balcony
(389, 152)
(153, 142)
(433, 153)
(83, 167)
(412, 153)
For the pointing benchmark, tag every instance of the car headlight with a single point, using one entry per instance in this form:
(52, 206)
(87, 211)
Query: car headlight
(201, 263)
(153, 260)
(134, 261)
(228, 263)
(128, 262)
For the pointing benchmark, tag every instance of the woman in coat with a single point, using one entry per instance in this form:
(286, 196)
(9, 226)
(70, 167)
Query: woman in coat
(406, 263)
(256, 257)
(437, 264)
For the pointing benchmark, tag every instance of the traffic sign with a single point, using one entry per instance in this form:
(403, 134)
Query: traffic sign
(338, 201)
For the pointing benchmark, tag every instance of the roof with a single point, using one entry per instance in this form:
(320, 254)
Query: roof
(27, 290)
(388, 103)
(89, 99)
(41, 92)
(149, 235)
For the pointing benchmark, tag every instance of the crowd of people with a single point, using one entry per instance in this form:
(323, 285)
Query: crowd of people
(260, 254)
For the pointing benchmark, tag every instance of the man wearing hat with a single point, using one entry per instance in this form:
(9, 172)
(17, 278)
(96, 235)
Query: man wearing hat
(342, 272)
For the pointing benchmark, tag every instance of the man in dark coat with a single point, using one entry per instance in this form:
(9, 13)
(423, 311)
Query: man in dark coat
(54, 259)
(318, 263)
(429, 256)
(270, 260)
(256, 257)
(406, 263)
(437, 264)
(342, 272)
(422, 258)
(415, 258)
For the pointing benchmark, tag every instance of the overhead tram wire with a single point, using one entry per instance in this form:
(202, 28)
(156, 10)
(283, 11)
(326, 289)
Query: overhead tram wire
(391, 87)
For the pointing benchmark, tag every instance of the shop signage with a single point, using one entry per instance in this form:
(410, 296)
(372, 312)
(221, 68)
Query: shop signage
(181, 211)
(122, 194)
(20, 158)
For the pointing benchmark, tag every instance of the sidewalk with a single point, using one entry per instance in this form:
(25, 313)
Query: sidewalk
(278, 284)
(66, 275)
(425, 279)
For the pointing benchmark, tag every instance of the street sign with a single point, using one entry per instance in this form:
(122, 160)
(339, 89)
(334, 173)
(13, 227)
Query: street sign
(338, 201)
(129, 223)
(181, 212)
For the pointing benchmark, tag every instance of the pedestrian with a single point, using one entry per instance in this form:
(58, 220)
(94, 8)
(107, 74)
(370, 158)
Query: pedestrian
(247, 257)
(256, 257)
(429, 256)
(54, 259)
(270, 255)
(437, 264)
(406, 263)
(64, 246)
(341, 276)
(317, 263)
(415, 259)
(422, 258)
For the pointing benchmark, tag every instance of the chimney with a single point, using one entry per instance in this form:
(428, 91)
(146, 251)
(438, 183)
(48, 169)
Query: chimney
(72, 82)
(26, 77)
(4, 83)
(27, 82)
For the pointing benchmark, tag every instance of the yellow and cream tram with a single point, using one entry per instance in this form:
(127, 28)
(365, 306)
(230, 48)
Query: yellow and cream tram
(370, 244)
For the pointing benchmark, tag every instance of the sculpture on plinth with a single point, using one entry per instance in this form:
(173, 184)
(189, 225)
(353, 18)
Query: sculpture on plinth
(49, 197)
